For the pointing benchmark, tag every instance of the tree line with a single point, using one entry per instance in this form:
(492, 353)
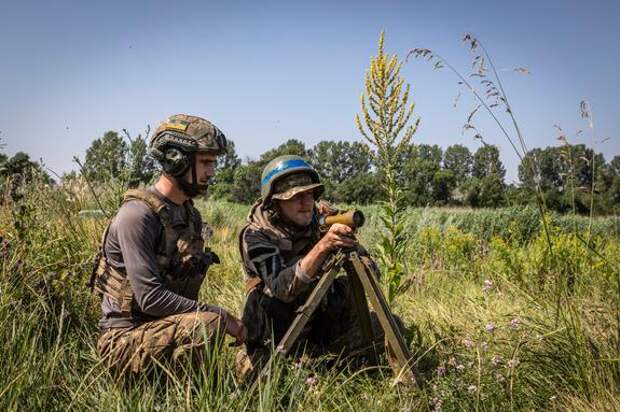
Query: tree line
(571, 177)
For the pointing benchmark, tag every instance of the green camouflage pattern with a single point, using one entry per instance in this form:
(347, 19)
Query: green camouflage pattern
(177, 339)
(202, 134)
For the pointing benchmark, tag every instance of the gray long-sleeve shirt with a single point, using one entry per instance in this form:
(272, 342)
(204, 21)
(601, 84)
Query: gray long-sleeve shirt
(131, 245)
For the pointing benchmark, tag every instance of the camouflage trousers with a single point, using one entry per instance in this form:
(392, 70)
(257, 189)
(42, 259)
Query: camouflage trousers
(177, 339)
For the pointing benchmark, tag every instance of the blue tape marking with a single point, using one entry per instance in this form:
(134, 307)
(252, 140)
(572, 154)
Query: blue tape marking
(289, 164)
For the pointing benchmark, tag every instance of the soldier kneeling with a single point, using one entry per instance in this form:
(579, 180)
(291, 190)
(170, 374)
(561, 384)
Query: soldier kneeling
(153, 261)
(283, 249)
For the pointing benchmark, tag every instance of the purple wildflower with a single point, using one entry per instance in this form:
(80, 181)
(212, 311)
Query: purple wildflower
(490, 327)
(311, 380)
(515, 323)
(441, 370)
(488, 285)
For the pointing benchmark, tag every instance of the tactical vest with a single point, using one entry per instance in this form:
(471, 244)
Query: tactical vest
(181, 258)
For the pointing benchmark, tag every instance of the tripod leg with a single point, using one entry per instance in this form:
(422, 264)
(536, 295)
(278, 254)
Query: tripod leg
(304, 313)
(392, 333)
(361, 310)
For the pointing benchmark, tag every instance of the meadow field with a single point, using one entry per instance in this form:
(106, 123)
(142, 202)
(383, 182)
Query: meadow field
(499, 316)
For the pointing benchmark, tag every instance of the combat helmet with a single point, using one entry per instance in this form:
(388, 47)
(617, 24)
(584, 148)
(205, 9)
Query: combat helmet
(177, 140)
(286, 176)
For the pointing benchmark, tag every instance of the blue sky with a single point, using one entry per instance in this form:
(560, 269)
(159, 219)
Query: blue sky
(268, 71)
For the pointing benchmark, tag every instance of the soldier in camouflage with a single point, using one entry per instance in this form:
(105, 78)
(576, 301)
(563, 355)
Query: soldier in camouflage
(283, 249)
(153, 260)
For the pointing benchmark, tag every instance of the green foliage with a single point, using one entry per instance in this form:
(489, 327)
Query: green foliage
(247, 176)
(483, 330)
(565, 177)
(227, 165)
(106, 158)
(142, 167)
(458, 159)
(386, 113)
(345, 170)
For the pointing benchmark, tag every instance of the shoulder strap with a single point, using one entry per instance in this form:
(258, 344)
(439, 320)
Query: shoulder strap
(157, 205)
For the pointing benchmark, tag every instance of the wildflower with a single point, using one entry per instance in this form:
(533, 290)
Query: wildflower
(460, 367)
(488, 285)
(512, 363)
(472, 388)
(441, 370)
(515, 323)
(437, 402)
(496, 360)
(311, 380)
(490, 327)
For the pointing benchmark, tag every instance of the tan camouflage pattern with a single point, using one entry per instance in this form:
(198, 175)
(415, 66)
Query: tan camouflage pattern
(178, 339)
(289, 186)
(207, 135)
(181, 257)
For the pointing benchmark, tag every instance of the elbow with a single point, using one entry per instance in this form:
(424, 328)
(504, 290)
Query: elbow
(148, 303)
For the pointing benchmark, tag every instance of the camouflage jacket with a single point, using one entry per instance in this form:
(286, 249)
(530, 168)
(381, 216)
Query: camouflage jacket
(272, 252)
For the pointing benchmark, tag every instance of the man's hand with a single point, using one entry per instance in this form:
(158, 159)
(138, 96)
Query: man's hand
(337, 236)
(236, 329)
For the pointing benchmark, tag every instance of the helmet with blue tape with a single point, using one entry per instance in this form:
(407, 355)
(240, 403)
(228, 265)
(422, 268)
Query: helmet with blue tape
(286, 176)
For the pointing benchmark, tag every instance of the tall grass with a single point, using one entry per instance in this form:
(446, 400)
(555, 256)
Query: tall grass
(481, 322)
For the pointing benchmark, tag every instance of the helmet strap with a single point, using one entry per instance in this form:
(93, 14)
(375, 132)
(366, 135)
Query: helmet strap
(192, 188)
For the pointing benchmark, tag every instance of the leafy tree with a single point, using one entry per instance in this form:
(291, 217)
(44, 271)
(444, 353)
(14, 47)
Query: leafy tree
(444, 182)
(564, 175)
(339, 163)
(247, 177)
(363, 188)
(486, 161)
(419, 174)
(20, 164)
(106, 158)
(458, 159)
(226, 167)
(17, 171)
(142, 167)
(615, 165)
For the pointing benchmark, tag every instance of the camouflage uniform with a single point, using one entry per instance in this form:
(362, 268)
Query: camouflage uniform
(271, 251)
(148, 320)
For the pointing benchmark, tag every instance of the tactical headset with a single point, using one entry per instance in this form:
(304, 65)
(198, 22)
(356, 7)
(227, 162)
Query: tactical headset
(175, 152)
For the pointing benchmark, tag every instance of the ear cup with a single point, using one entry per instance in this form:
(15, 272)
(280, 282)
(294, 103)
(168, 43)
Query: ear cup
(175, 162)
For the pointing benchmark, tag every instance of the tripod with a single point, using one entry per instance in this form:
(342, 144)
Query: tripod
(362, 273)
